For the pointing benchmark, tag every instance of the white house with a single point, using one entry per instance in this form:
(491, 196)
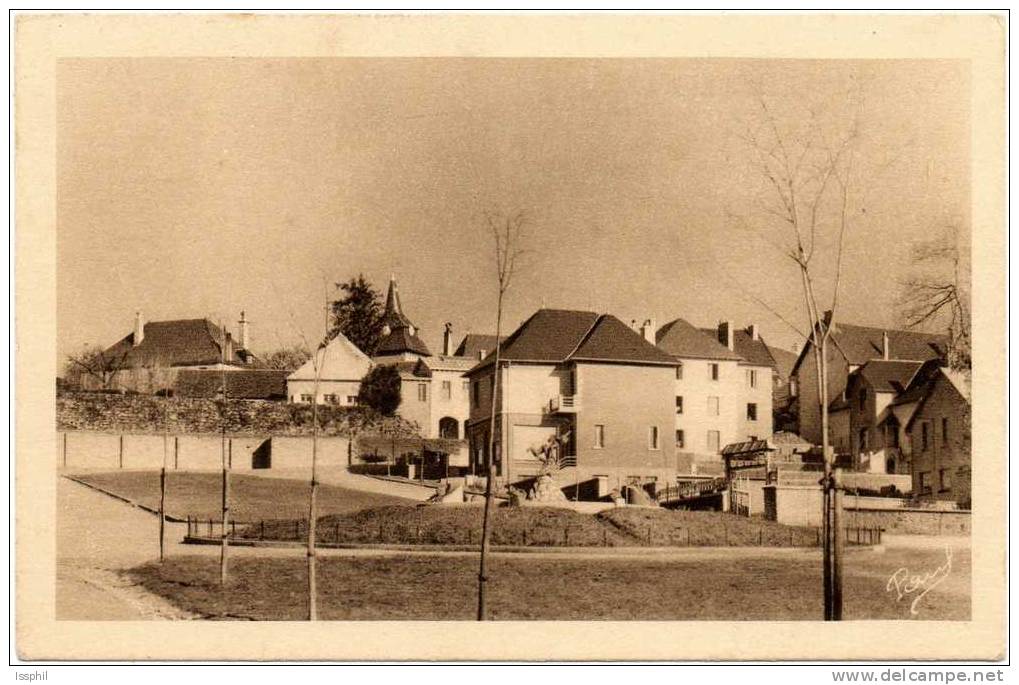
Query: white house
(343, 367)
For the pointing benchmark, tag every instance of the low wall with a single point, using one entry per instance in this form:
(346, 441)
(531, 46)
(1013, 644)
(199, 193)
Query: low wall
(85, 450)
(801, 506)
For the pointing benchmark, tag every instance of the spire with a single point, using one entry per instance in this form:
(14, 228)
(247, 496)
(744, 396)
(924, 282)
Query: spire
(394, 316)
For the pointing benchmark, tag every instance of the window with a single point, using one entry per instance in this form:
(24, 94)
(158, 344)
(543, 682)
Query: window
(330, 398)
(306, 398)
(679, 404)
(863, 398)
(476, 394)
(751, 411)
(945, 477)
(751, 378)
(599, 436)
(713, 441)
(422, 392)
(680, 438)
(351, 399)
(863, 439)
(944, 430)
(679, 371)
(713, 370)
(447, 390)
(925, 483)
(652, 437)
(467, 388)
(924, 435)
(712, 405)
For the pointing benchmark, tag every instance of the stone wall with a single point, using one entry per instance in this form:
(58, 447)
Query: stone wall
(116, 413)
(910, 521)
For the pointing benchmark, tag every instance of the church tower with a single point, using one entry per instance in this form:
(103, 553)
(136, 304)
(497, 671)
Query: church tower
(400, 341)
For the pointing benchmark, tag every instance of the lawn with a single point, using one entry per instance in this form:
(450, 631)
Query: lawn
(542, 527)
(252, 498)
(701, 587)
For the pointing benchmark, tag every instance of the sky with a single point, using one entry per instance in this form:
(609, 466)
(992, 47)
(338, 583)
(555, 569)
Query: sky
(193, 188)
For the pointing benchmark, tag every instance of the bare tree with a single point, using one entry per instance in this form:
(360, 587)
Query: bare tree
(95, 363)
(804, 211)
(507, 232)
(936, 293)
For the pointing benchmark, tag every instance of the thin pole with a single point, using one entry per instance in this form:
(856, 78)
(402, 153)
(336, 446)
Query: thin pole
(837, 552)
(486, 532)
(224, 540)
(312, 497)
(162, 507)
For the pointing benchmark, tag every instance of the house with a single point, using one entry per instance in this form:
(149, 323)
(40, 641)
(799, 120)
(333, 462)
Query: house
(149, 359)
(783, 401)
(861, 422)
(343, 366)
(933, 415)
(849, 348)
(582, 381)
(434, 392)
(723, 386)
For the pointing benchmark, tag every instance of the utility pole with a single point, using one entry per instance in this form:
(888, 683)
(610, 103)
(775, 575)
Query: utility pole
(225, 541)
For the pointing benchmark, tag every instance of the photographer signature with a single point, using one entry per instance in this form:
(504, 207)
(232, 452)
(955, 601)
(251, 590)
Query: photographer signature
(904, 584)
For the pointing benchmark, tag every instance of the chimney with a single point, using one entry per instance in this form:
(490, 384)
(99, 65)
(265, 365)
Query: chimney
(139, 329)
(245, 340)
(228, 347)
(447, 340)
(753, 332)
(648, 331)
(725, 334)
(885, 347)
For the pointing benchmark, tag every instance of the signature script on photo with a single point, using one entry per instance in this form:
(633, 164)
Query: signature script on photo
(905, 584)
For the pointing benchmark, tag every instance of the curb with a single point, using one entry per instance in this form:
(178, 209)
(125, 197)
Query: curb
(125, 500)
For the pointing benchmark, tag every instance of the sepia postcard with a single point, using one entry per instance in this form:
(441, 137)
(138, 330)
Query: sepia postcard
(510, 337)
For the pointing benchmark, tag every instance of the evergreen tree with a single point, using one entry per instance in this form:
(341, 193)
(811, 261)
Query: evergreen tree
(358, 314)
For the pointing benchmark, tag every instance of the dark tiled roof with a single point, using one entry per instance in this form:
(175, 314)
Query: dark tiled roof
(754, 352)
(613, 340)
(247, 384)
(417, 369)
(402, 340)
(681, 339)
(558, 335)
(475, 343)
(889, 376)
(746, 447)
(182, 342)
(394, 316)
(784, 361)
(859, 344)
(920, 384)
(550, 335)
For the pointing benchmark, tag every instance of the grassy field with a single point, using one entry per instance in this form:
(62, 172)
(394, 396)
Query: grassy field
(252, 498)
(542, 526)
(701, 587)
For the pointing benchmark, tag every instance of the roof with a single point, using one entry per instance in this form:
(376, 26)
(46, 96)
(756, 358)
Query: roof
(411, 369)
(746, 447)
(402, 340)
(889, 375)
(754, 352)
(681, 339)
(178, 342)
(246, 384)
(559, 335)
(341, 361)
(859, 344)
(402, 335)
(475, 343)
(613, 340)
(443, 362)
(784, 361)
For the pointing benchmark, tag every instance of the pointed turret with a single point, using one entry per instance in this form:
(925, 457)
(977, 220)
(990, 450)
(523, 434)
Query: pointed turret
(400, 336)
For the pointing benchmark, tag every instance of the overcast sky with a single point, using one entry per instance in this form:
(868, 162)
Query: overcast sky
(191, 188)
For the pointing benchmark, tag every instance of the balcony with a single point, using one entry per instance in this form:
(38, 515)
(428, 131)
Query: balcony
(564, 404)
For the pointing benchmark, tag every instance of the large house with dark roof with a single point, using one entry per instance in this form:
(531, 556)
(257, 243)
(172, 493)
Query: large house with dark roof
(150, 358)
(585, 383)
(723, 386)
(849, 348)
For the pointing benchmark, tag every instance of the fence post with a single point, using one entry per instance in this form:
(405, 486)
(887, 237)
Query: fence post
(229, 453)
(210, 527)
(121, 452)
(176, 451)
(261, 530)
(760, 537)
(604, 537)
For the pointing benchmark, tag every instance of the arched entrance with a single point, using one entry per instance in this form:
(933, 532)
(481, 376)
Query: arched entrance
(449, 428)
